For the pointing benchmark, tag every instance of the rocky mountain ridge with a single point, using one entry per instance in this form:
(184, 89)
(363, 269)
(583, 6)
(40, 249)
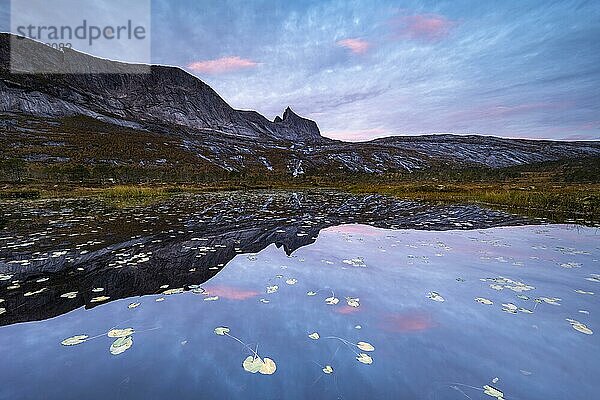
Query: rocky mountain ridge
(173, 118)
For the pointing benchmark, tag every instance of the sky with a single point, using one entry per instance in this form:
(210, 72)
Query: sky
(367, 69)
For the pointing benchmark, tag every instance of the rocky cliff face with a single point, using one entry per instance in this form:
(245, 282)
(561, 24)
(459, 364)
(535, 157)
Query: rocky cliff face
(167, 118)
(166, 96)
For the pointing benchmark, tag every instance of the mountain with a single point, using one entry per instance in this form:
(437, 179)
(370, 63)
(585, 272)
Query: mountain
(169, 120)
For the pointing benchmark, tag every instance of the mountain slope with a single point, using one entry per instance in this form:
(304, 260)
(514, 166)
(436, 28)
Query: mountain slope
(169, 121)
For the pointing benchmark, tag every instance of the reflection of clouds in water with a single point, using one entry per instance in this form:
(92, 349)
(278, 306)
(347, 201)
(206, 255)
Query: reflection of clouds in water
(231, 292)
(345, 310)
(405, 322)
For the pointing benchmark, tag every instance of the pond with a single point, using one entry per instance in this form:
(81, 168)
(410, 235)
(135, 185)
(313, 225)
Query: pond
(312, 306)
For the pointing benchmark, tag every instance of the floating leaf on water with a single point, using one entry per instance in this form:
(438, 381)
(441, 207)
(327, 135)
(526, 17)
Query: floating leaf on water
(484, 301)
(74, 340)
(221, 330)
(269, 367)
(98, 290)
(353, 301)
(69, 295)
(578, 326)
(121, 345)
(99, 299)
(311, 293)
(160, 299)
(291, 281)
(252, 364)
(355, 262)
(571, 265)
(328, 369)
(332, 300)
(493, 392)
(211, 298)
(314, 336)
(435, 296)
(133, 305)
(510, 308)
(549, 300)
(272, 289)
(593, 278)
(364, 346)
(173, 291)
(117, 333)
(364, 358)
(34, 293)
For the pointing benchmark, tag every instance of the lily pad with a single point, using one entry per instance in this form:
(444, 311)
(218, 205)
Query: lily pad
(269, 367)
(118, 333)
(353, 301)
(493, 392)
(252, 364)
(222, 330)
(173, 291)
(314, 336)
(364, 346)
(272, 289)
(435, 296)
(364, 358)
(121, 345)
(332, 300)
(580, 327)
(74, 340)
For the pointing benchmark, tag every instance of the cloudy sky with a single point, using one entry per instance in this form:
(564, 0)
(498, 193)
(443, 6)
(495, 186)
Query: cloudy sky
(372, 68)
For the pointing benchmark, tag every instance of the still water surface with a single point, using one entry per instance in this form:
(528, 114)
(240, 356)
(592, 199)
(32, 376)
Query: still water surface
(410, 294)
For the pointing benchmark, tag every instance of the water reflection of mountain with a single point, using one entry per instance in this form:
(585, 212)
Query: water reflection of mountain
(49, 248)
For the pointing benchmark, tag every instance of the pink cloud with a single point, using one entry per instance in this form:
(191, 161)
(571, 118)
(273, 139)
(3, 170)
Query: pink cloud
(357, 46)
(222, 65)
(425, 27)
